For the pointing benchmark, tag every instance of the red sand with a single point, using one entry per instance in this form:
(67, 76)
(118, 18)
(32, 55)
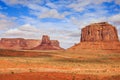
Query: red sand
(54, 76)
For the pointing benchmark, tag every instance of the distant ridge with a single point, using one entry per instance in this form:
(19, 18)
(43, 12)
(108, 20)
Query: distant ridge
(24, 44)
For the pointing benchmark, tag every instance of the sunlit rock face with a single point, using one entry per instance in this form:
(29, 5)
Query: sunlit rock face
(99, 32)
(56, 44)
(98, 36)
(28, 44)
(10, 43)
(47, 44)
(45, 40)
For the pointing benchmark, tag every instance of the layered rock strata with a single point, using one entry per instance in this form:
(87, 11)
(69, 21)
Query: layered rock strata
(98, 36)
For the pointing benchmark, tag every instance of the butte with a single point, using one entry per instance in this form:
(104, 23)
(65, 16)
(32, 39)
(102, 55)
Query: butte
(98, 36)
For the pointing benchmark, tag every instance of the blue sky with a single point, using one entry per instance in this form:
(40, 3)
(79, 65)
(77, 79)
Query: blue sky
(60, 19)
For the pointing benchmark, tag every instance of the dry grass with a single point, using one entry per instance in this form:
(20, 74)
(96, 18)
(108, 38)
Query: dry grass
(84, 62)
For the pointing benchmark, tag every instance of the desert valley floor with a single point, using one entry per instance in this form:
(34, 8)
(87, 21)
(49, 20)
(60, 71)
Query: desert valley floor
(59, 65)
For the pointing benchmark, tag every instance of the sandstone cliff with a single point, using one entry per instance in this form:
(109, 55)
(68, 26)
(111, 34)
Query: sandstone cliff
(32, 43)
(16, 43)
(47, 44)
(99, 32)
(98, 36)
(56, 44)
(23, 44)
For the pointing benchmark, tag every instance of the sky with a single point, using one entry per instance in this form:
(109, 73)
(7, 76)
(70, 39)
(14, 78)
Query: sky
(62, 20)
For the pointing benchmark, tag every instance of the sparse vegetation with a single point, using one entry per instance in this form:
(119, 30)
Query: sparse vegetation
(12, 72)
(84, 62)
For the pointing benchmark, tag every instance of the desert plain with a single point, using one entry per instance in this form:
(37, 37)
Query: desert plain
(59, 65)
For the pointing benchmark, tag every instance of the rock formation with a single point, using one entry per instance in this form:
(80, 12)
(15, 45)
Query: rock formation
(56, 44)
(47, 44)
(16, 43)
(45, 40)
(24, 44)
(31, 43)
(98, 36)
(99, 32)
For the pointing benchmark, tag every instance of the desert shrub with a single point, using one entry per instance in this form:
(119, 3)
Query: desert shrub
(12, 72)
(30, 70)
(73, 77)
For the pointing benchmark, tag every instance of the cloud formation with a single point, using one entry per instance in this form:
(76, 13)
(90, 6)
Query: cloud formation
(6, 22)
(61, 19)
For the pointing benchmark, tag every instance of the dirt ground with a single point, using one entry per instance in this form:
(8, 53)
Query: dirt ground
(59, 65)
(55, 76)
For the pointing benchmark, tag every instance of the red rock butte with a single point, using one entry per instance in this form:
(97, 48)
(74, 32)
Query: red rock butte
(98, 36)
(47, 44)
(99, 32)
(25, 44)
(10, 43)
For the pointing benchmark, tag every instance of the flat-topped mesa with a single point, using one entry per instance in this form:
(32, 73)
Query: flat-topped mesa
(27, 44)
(47, 44)
(10, 43)
(99, 32)
(98, 36)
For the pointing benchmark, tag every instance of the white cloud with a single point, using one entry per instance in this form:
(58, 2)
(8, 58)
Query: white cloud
(29, 28)
(24, 31)
(115, 19)
(52, 5)
(38, 10)
(23, 2)
(81, 5)
(31, 4)
(13, 32)
(6, 22)
(51, 14)
(117, 1)
(85, 20)
(99, 1)
(2, 16)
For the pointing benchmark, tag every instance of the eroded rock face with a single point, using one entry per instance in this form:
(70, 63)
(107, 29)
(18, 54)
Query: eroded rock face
(26, 44)
(31, 43)
(47, 44)
(99, 32)
(98, 36)
(45, 40)
(55, 43)
(10, 43)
